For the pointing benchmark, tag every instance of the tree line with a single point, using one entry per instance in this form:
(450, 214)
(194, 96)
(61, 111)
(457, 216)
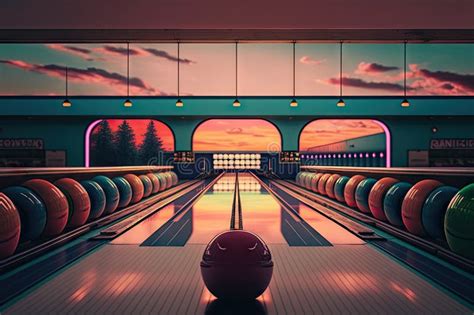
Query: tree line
(119, 148)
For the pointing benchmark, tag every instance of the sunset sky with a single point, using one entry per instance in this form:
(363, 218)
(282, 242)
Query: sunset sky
(209, 69)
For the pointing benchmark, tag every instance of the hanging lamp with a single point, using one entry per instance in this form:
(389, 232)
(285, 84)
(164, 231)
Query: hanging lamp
(405, 102)
(179, 102)
(236, 102)
(293, 102)
(340, 103)
(67, 102)
(128, 102)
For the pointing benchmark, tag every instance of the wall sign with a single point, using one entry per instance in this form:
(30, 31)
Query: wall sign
(418, 158)
(454, 143)
(21, 143)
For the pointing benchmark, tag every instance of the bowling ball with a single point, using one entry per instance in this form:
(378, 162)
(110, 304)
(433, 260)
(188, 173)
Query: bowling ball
(155, 181)
(147, 185)
(349, 190)
(459, 222)
(314, 182)
(377, 195)
(339, 188)
(137, 187)
(112, 195)
(162, 180)
(392, 203)
(237, 265)
(322, 184)
(31, 209)
(362, 194)
(97, 198)
(330, 185)
(9, 227)
(434, 209)
(78, 199)
(413, 204)
(175, 178)
(125, 191)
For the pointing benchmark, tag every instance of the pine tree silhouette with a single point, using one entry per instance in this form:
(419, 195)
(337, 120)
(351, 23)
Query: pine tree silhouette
(151, 146)
(103, 146)
(126, 151)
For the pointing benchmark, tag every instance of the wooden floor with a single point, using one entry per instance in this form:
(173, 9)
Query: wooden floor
(343, 279)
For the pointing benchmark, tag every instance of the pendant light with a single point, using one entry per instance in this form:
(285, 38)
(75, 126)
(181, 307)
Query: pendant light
(405, 102)
(67, 102)
(236, 102)
(128, 102)
(179, 102)
(293, 102)
(340, 103)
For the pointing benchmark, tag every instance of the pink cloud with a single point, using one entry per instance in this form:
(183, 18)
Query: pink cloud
(73, 50)
(89, 75)
(373, 68)
(371, 85)
(311, 61)
(441, 82)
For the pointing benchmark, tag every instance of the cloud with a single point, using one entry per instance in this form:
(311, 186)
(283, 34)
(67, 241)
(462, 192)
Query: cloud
(441, 82)
(374, 68)
(121, 51)
(166, 55)
(371, 85)
(73, 50)
(88, 75)
(310, 61)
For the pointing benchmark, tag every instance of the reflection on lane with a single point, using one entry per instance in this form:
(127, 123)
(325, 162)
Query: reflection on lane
(209, 216)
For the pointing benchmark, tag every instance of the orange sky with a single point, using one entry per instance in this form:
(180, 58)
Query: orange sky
(236, 135)
(139, 127)
(326, 131)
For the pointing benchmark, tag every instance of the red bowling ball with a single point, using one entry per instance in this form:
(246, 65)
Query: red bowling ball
(57, 208)
(322, 184)
(137, 187)
(155, 181)
(314, 182)
(237, 265)
(78, 199)
(349, 190)
(377, 195)
(412, 205)
(9, 227)
(330, 185)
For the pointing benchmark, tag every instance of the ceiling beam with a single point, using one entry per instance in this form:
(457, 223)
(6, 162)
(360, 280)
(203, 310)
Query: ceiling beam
(232, 35)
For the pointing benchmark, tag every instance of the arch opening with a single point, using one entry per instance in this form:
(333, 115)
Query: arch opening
(346, 142)
(127, 142)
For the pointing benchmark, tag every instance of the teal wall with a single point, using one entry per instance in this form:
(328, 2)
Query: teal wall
(64, 128)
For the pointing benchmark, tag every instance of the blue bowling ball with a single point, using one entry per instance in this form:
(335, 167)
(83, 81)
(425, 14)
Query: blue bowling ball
(97, 197)
(112, 195)
(125, 191)
(392, 203)
(339, 188)
(362, 194)
(434, 209)
(31, 209)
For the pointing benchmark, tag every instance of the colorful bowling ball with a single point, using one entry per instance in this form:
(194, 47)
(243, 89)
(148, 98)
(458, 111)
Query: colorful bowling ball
(314, 182)
(162, 180)
(330, 185)
(322, 184)
(307, 180)
(298, 177)
(349, 190)
(377, 195)
(31, 209)
(137, 187)
(169, 180)
(392, 203)
(147, 185)
(174, 177)
(125, 191)
(413, 204)
(78, 199)
(237, 265)
(155, 181)
(112, 195)
(57, 208)
(10, 227)
(339, 188)
(96, 197)
(459, 222)
(434, 209)
(362, 194)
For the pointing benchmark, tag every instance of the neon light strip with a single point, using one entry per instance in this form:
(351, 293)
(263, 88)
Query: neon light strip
(88, 140)
(388, 147)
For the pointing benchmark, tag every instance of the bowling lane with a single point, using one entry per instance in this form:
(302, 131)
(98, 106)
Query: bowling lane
(198, 224)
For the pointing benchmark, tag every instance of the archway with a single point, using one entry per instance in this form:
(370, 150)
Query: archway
(121, 142)
(346, 142)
